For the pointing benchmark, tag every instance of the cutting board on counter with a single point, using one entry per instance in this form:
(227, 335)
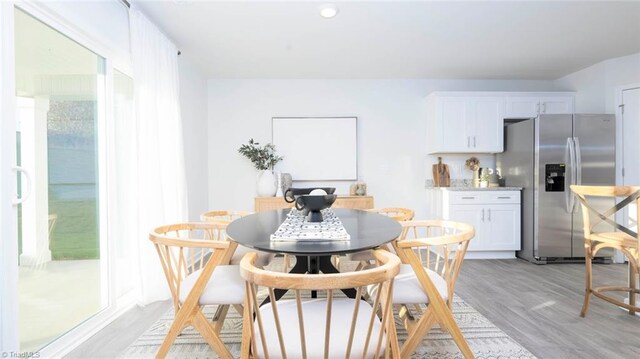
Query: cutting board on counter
(441, 177)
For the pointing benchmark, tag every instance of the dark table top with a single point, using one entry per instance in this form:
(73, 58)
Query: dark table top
(367, 230)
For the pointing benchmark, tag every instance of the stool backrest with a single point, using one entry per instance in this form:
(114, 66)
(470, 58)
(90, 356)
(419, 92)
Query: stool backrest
(592, 217)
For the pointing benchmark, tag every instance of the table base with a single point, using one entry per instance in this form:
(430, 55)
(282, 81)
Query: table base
(312, 265)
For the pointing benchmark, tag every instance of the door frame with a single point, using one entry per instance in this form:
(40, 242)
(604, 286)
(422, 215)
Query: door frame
(9, 339)
(619, 257)
(9, 336)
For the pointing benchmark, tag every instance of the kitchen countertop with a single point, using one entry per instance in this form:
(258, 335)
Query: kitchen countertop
(465, 185)
(460, 188)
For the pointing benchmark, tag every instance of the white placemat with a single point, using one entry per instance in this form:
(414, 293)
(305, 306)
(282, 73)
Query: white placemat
(296, 228)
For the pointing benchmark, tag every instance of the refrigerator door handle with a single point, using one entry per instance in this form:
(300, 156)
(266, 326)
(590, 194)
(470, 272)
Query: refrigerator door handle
(576, 144)
(578, 170)
(570, 160)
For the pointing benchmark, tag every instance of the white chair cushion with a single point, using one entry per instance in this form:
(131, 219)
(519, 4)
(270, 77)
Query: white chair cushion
(361, 256)
(407, 289)
(262, 260)
(225, 286)
(368, 254)
(314, 315)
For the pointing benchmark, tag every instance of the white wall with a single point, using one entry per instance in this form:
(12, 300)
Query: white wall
(595, 86)
(391, 139)
(193, 107)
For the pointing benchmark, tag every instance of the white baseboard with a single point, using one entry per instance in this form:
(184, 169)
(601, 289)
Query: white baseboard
(490, 255)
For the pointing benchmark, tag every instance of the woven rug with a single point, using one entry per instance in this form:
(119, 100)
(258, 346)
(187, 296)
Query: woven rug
(485, 339)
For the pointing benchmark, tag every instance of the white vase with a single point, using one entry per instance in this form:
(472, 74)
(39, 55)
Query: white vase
(267, 183)
(279, 184)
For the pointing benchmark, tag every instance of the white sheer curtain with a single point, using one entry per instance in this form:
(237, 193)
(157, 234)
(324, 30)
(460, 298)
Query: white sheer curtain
(151, 151)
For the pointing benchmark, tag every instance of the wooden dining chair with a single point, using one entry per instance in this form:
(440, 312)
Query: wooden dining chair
(221, 220)
(193, 261)
(331, 327)
(364, 258)
(397, 213)
(223, 216)
(600, 232)
(432, 252)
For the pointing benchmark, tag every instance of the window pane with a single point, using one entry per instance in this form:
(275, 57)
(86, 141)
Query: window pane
(57, 91)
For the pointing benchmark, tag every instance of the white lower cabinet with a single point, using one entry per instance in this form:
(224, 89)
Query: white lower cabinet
(469, 214)
(495, 215)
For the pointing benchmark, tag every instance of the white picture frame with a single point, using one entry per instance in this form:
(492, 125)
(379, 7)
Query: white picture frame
(317, 148)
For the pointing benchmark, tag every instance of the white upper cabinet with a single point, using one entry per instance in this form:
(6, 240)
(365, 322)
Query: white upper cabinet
(454, 113)
(465, 124)
(488, 124)
(560, 105)
(527, 106)
(473, 122)
(522, 107)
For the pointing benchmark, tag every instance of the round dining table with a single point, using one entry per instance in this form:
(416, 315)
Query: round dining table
(367, 230)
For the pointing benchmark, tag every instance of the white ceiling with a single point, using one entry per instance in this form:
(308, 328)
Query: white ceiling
(398, 39)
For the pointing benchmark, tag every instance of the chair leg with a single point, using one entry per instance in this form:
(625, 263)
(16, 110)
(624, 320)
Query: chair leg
(362, 265)
(219, 317)
(178, 324)
(247, 348)
(418, 333)
(633, 285)
(587, 286)
(201, 324)
(445, 319)
(286, 263)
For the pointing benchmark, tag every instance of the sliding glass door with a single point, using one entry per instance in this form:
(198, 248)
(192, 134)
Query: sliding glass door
(60, 101)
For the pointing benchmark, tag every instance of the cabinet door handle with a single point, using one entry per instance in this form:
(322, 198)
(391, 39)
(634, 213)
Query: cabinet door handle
(468, 141)
(489, 214)
(483, 215)
(544, 107)
(538, 108)
(468, 197)
(504, 197)
(474, 141)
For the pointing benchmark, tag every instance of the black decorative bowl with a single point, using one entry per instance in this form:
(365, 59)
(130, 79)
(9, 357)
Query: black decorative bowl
(292, 193)
(311, 205)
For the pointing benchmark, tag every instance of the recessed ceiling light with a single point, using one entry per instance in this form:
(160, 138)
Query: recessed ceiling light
(328, 11)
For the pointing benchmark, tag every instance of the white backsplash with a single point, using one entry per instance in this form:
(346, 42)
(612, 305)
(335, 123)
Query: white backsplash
(457, 170)
(455, 182)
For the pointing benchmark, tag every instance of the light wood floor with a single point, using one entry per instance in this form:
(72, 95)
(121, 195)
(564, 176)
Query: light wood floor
(538, 306)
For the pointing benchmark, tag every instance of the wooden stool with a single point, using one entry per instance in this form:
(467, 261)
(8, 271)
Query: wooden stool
(626, 241)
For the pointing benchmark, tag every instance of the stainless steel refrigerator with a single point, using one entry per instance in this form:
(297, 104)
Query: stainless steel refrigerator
(545, 156)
